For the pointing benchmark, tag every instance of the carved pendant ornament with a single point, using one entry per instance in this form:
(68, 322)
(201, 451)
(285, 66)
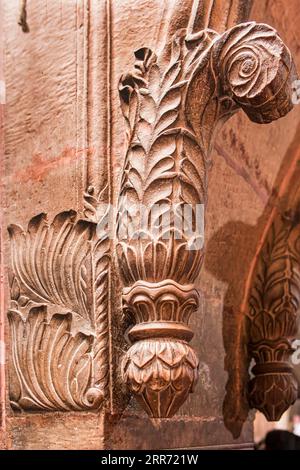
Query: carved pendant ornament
(172, 112)
(173, 104)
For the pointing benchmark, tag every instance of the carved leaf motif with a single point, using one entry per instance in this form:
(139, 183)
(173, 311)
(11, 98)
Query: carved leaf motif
(49, 260)
(257, 70)
(163, 156)
(92, 203)
(63, 268)
(54, 365)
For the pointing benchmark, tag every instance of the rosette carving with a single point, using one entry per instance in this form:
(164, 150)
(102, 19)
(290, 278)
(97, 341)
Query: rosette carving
(273, 320)
(53, 364)
(257, 70)
(172, 108)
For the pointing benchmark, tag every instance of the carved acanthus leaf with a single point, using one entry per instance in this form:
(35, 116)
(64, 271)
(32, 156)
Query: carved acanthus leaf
(59, 304)
(53, 365)
(172, 110)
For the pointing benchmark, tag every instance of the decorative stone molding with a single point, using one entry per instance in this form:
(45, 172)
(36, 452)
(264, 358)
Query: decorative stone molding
(173, 108)
(273, 320)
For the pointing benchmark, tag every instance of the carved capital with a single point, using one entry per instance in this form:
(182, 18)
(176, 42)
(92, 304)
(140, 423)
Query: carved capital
(58, 315)
(172, 108)
(165, 301)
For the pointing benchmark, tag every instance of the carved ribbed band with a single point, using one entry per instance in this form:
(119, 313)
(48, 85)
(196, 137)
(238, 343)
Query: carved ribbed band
(272, 368)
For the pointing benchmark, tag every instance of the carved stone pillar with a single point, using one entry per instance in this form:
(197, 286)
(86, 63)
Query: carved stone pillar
(272, 322)
(173, 107)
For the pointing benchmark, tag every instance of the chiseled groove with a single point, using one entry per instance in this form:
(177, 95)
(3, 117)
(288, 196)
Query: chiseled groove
(17, 344)
(209, 12)
(64, 268)
(18, 265)
(101, 343)
(35, 237)
(57, 365)
(48, 384)
(68, 271)
(74, 351)
(81, 285)
(48, 261)
(43, 263)
(26, 257)
(24, 376)
(38, 258)
(42, 359)
(29, 362)
(57, 264)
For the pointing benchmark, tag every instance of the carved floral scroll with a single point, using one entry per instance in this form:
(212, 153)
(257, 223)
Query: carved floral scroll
(172, 111)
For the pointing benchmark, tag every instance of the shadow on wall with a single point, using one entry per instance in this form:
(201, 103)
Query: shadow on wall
(228, 260)
(229, 255)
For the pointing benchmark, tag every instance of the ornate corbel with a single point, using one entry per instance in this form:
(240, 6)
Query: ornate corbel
(173, 108)
(273, 319)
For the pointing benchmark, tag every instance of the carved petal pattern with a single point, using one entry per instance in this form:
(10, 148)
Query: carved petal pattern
(273, 394)
(161, 374)
(59, 314)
